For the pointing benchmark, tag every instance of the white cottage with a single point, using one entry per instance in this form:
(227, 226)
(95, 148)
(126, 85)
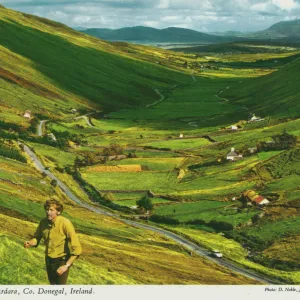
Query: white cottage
(27, 114)
(233, 155)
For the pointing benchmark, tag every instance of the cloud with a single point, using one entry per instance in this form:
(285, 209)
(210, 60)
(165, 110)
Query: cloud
(204, 15)
(286, 4)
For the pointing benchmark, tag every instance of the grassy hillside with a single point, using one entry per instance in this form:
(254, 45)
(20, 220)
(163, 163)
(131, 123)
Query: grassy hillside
(114, 253)
(276, 94)
(164, 125)
(62, 69)
(281, 30)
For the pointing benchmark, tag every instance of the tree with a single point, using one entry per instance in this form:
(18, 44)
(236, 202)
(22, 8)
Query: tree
(113, 149)
(145, 203)
(53, 182)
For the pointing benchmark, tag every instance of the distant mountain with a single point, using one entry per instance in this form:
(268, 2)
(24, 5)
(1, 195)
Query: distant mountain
(79, 28)
(153, 35)
(229, 33)
(281, 30)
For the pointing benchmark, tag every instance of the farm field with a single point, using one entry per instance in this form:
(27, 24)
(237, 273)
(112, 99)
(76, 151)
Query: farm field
(159, 133)
(206, 211)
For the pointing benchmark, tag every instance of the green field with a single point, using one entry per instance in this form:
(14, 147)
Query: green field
(206, 211)
(142, 99)
(156, 181)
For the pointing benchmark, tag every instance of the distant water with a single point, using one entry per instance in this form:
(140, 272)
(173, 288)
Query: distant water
(166, 45)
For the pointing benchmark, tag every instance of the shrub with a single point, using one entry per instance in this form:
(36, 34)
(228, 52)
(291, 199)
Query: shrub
(113, 149)
(220, 225)
(11, 153)
(145, 203)
(109, 197)
(53, 182)
(196, 222)
(164, 220)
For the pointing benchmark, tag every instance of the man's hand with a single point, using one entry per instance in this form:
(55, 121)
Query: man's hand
(62, 270)
(28, 244)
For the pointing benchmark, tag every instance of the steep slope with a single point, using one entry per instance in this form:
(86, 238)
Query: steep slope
(48, 67)
(281, 30)
(148, 34)
(286, 28)
(276, 94)
(113, 252)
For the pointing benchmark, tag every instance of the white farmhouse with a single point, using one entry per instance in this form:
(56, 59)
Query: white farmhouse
(233, 155)
(27, 114)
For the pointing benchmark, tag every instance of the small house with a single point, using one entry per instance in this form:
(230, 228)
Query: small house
(254, 198)
(260, 200)
(252, 150)
(180, 135)
(133, 207)
(254, 118)
(233, 127)
(27, 114)
(73, 110)
(233, 155)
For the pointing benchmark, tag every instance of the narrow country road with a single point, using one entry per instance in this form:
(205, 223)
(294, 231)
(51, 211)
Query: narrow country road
(40, 127)
(183, 241)
(194, 79)
(86, 120)
(85, 117)
(162, 98)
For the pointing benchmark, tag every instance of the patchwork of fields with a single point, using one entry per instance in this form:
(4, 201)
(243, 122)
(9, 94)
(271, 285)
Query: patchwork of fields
(160, 132)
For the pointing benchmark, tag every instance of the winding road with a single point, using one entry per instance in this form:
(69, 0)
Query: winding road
(40, 127)
(194, 248)
(86, 120)
(162, 98)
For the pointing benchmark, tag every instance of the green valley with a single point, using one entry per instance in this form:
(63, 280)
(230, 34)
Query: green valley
(126, 123)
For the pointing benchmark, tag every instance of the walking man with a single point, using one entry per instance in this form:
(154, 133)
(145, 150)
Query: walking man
(61, 241)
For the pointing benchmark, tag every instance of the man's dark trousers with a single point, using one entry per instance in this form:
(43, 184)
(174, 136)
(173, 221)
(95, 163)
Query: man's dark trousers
(52, 264)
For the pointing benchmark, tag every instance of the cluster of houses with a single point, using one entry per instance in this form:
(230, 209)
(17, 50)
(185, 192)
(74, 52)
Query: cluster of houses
(233, 155)
(236, 127)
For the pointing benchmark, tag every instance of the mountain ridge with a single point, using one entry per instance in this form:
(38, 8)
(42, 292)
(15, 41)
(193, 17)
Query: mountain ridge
(150, 34)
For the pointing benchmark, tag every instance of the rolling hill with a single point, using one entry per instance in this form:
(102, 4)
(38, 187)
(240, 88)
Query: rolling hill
(49, 68)
(285, 30)
(167, 116)
(143, 34)
(274, 95)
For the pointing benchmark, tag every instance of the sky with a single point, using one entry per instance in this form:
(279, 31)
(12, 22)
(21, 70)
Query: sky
(201, 15)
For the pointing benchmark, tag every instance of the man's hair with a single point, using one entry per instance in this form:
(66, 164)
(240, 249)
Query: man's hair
(59, 207)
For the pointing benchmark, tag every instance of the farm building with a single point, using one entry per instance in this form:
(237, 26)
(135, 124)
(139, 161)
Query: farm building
(254, 118)
(255, 198)
(252, 150)
(233, 155)
(233, 127)
(27, 114)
